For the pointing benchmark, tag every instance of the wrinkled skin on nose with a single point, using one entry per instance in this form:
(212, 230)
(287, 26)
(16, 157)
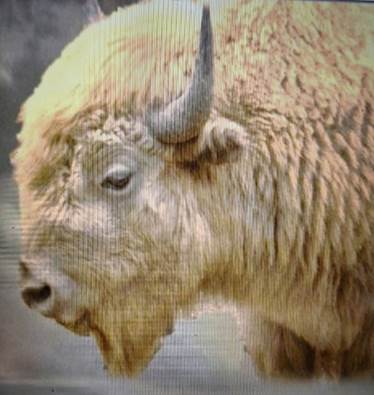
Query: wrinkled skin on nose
(52, 294)
(34, 293)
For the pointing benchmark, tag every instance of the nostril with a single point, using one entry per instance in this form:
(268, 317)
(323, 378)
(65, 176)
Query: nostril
(36, 295)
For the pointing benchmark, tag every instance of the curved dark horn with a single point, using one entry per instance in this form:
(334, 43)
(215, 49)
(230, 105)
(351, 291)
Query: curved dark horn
(181, 120)
(93, 11)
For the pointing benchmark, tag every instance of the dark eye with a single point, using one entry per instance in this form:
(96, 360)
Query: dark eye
(116, 180)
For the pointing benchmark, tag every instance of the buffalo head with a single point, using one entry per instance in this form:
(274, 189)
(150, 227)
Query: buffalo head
(116, 217)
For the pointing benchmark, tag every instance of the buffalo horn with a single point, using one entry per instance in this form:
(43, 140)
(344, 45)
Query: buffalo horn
(181, 120)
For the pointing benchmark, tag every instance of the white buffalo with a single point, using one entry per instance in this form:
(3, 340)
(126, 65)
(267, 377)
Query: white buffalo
(155, 166)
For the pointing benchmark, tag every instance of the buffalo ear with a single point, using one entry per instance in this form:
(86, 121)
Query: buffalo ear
(222, 141)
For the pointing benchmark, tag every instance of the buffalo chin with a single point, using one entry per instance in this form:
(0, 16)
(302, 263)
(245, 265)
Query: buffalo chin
(123, 355)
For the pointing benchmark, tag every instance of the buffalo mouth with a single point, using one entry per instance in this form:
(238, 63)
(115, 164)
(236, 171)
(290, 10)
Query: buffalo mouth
(80, 327)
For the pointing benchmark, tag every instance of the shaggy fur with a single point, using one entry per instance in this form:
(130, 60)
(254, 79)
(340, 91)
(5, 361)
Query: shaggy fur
(270, 207)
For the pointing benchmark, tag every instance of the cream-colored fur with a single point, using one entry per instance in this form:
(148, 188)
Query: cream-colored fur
(271, 207)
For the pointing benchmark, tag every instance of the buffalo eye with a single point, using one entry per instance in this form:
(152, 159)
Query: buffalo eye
(117, 179)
